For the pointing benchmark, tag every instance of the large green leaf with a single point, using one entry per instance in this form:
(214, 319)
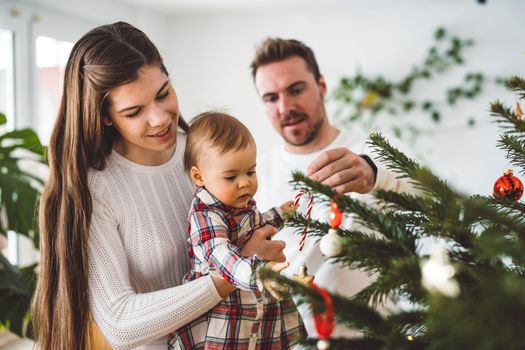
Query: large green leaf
(18, 200)
(20, 186)
(22, 139)
(16, 290)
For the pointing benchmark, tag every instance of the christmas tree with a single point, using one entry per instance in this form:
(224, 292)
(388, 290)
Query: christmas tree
(468, 293)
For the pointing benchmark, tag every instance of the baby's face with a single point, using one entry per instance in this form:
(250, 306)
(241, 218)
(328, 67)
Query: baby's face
(230, 176)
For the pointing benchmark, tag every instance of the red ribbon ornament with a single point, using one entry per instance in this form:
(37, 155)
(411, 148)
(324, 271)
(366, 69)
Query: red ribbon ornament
(324, 321)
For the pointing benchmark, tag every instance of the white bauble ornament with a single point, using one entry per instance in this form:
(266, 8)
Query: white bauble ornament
(331, 243)
(438, 273)
(323, 344)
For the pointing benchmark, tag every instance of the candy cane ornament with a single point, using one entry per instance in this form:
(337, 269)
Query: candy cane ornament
(306, 215)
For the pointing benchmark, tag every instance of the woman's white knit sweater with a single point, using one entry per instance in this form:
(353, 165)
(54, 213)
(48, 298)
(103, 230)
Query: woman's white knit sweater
(138, 251)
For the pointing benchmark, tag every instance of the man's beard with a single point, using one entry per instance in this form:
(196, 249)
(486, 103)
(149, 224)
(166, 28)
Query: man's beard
(311, 133)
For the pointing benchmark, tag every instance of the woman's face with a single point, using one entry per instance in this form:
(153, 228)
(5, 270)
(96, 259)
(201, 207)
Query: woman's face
(145, 112)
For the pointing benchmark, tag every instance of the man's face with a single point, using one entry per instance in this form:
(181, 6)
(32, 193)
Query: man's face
(293, 100)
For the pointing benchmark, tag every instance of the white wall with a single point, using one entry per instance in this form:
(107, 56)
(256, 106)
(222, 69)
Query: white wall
(208, 55)
(211, 55)
(103, 11)
(73, 18)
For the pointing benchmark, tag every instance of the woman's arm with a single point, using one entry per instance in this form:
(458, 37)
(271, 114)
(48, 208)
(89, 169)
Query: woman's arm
(223, 288)
(128, 318)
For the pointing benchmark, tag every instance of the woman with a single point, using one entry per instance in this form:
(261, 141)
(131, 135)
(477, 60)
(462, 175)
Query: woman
(113, 214)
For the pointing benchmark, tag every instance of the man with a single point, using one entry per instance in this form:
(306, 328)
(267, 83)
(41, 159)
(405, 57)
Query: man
(292, 89)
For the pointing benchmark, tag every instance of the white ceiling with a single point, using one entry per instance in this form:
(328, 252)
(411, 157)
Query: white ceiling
(210, 6)
(185, 6)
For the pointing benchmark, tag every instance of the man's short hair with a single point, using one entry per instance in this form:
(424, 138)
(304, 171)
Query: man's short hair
(214, 129)
(273, 50)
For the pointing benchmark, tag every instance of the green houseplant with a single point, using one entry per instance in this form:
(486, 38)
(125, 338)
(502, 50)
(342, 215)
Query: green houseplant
(21, 155)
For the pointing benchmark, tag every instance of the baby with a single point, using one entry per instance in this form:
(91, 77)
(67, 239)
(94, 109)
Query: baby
(220, 157)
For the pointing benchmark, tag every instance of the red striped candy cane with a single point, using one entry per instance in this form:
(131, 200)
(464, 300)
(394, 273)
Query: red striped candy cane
(306, 215)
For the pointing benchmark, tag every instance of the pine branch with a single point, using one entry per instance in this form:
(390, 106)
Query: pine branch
(410, 322)
(406, 167)
(494, 244)
(403, 324)
(375, 254)
(515, 148)
(396, 160)
(507, 119)
(316, 228)
(419, 210)
(353, 314)
(400, 201)
(366, 343)
(431, 216)
(516, 84)
(386, 223)
(370, 255)
(489, 210)
(485, 239)
(368, 252)
(345, 343)
(517, 207)
(402, 277)
(451, 229)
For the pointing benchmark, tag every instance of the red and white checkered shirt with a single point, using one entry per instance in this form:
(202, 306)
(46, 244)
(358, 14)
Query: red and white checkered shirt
(247, 318)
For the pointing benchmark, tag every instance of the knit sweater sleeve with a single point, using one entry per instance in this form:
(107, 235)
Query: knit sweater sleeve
(129, 319)
(387, 179)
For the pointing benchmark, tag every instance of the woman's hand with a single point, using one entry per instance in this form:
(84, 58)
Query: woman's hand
(223, 288)
(266, 249)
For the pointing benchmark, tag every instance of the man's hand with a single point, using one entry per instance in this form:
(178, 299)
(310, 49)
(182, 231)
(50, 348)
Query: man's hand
(265, 249)
(342, 170)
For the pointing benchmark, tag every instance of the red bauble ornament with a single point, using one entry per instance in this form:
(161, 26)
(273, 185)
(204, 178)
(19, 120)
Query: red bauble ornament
(508, 186)
(336, 216)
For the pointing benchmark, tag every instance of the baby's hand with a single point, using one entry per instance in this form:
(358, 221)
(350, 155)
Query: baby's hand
(277, 266)
(276, 289)
(288, 207)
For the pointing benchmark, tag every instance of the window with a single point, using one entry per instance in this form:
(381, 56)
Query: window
(34, 48)
(7, 98)
(8, 245)
(51, 58)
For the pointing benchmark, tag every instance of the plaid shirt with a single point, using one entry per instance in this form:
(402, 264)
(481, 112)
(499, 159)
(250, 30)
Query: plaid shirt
(247, 318)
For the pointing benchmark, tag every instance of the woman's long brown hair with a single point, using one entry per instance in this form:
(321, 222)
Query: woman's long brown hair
(104, 58)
